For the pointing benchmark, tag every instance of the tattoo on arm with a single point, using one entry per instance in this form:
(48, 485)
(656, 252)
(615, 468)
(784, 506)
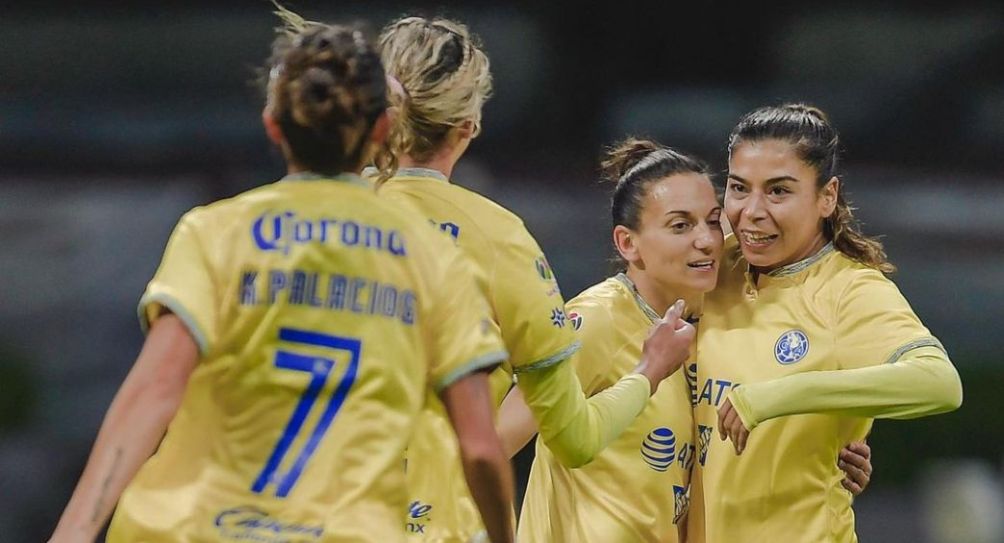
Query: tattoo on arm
(99, 505)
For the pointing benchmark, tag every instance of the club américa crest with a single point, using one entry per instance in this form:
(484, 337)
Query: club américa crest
(791, 347)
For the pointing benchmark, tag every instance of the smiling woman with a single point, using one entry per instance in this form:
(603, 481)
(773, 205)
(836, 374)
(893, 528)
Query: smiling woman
(789, 155)
(667, 232)
(803, 322)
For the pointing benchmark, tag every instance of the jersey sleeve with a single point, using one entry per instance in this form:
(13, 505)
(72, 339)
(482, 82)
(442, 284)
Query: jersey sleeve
(576, 428)
(592, 362)
(184, 285)
(875, 324)
(528, 305)
(458, 322)
(892, 367)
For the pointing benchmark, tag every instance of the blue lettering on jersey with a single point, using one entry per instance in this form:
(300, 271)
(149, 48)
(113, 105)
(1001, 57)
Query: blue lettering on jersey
(358, 295)
(450, 228)
(686, 456)
(714, 390)
(248, 290)
(252, 524)
(338, 286)
(282, 230)
(703, 442)
(418, 515)
(276, 284)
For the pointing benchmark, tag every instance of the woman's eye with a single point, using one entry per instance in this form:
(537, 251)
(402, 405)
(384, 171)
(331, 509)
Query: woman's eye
(779, 190)
(737, 187)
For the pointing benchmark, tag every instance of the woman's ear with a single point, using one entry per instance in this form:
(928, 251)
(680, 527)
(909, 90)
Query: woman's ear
(272, 128)
(624, 242)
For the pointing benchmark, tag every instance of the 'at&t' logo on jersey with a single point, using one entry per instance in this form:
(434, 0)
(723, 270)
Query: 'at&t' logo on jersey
(791, 347)
(658, 450)
(282, 230)
(418, 516)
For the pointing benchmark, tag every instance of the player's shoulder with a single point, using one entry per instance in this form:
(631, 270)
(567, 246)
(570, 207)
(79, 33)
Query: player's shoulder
(842, 273)
(458, 200)
(598, 303)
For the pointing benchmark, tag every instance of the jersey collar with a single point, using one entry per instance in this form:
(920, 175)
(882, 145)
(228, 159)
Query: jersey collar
(422, 172)
(785, 274)
(426, 173)
(792, 269)
(649, 312)
(344, 177)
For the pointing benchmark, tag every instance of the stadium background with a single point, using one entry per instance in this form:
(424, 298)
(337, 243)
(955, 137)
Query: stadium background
(115, 119)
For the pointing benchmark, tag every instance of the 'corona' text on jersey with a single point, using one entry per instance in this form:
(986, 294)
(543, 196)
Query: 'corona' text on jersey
(282, 230)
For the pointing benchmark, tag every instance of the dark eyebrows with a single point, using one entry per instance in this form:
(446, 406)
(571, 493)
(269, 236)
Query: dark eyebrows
(771, 181)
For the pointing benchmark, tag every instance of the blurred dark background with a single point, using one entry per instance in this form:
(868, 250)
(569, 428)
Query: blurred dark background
(115, 118)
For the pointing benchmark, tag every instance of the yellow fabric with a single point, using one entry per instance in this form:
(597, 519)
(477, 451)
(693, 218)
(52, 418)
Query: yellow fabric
(824, 316)
(289, 287)
(622, 495)
(530, 313)
(922, 383)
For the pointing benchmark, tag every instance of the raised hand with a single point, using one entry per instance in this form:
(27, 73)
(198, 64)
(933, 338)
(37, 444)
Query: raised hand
(667, 346)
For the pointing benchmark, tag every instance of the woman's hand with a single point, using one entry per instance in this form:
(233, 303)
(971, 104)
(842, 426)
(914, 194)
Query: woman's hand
(731, 426)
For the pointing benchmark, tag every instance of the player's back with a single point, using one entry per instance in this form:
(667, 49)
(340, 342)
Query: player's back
(519, 282)
(307, 299)
(528, 311)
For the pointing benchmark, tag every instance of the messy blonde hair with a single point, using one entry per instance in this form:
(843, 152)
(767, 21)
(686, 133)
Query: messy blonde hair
(446, 79)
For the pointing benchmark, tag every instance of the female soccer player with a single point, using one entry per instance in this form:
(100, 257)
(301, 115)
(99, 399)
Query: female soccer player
(803, 322)
(667, 232)
(445, 78)
(292, 333)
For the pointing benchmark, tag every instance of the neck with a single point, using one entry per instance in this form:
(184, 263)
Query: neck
(658, 298)
(441, 162)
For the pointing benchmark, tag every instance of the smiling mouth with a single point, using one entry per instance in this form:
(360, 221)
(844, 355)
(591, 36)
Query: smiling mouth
(705, 265)
(757, 239)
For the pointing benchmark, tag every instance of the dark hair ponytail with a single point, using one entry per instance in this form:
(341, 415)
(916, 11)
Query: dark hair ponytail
(633, 165)
(326, 89)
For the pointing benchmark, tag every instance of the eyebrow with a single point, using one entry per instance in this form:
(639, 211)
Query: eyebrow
(770, 181)
(689, 213)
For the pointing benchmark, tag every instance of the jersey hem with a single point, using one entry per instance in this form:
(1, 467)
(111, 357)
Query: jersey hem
(176, 307)
(480, 362)
(563, 354)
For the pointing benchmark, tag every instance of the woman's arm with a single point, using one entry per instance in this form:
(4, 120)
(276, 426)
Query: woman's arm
(923, 382)
(486, 467)
(575, 428)
(132, 429)
(515, 424)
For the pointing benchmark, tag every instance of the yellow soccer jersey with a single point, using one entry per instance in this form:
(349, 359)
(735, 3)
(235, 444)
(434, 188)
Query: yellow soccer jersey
(824, 313)
(322, 312)
(528, 310)
(637, 487)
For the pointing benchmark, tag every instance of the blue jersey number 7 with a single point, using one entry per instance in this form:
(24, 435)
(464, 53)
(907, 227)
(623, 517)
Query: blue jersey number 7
(319, 368)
